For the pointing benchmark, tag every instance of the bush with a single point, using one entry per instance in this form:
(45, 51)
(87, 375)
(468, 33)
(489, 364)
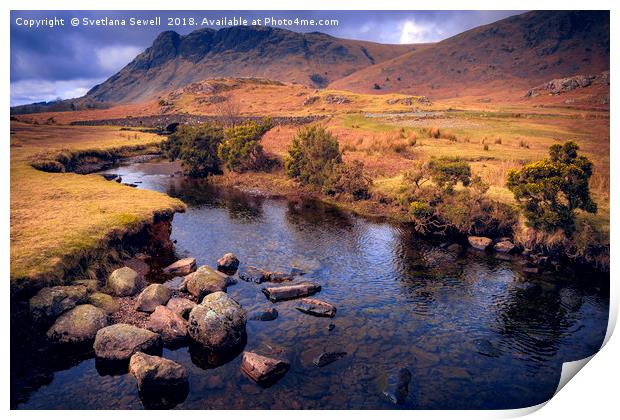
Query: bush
(196, 147)
(348, 178)
(550, 190)
(241, 149)
(312, 156)
(447, 172)
(434, 132)
(48, 165)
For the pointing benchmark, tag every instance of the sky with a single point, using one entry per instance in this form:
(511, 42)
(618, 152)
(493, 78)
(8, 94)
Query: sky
(50, 60)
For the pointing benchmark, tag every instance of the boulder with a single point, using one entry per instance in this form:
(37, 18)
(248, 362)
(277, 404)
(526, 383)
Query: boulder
(218, 323)
(181, 267)
(154, 372)
(121, 341)
(292, 291)
(153, 296)
(78, 325)
(479, 242)
(124, 282)
(181, 306)
(168, 324)
(91, 285)
(316, 307)
(228, 264)
(50, 302)
(397, 387)
(263, 370)
(204, 281)
(326, 358)
(504, 246)
(104, 301)
(278, 277)
(265, 315)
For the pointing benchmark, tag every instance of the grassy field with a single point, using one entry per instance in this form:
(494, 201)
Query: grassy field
(57, 216)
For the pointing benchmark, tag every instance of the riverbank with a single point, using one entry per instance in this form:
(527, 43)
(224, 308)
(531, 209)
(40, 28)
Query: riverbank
(66, 226)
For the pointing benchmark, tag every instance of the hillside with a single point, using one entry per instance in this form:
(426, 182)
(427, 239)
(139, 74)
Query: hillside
(508, 56)
(313, 59)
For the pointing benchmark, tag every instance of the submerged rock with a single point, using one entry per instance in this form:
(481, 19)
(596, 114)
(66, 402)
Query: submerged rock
(326, 358)
(153, 296)
(168, 324)
(78, 325)
(124, 282)
(252, 274)
(181, 306)
(218, 323)
(204, 281)
(50, 302)
(504, 246)
(292, 291)
(486, 348)
(263, 370)
(162, 383)
(228, 264)
(265, 315)
(181, 267)
(278, 277)
(316, 307)
(104, 301)
(397, 388)
(479, 242)
(121, 341)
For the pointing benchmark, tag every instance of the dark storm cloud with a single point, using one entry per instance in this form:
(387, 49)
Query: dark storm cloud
(65, 61)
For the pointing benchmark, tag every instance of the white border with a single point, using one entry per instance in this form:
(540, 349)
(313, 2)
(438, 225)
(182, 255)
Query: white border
(593, 394)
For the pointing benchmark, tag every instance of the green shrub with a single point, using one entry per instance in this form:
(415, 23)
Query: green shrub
(312, 155)
(348, 178)
(196, 147)
(241, 149)
(447, 172)
(550, 190)
(48, 165)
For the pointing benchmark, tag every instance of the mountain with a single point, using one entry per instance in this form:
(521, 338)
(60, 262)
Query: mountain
(508, 56)
(314, 59)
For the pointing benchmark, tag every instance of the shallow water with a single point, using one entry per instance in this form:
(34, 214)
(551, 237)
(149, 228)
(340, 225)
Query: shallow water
(402, 302)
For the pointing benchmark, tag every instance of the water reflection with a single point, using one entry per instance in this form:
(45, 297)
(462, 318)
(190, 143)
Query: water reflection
(473, 331)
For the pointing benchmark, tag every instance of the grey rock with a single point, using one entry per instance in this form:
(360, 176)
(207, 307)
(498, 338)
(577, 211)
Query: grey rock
(181, 267)
(204, 281)
(50, 302)
(124, 282)
(168, 324)
(218, 323)
(316, 307)
(121, 341)
(326, 358)
(262, 369)
(153, 296)
(78, 325)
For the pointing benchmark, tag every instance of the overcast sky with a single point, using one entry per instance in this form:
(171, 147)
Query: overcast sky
(66, 61)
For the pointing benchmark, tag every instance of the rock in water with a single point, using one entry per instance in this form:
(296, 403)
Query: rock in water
(124, 282)
(204, 281)
(228, 264)
(253, 274)
(265, 315)
(181, 306)
(121, 341)
(104, 301)
(218, 323)
(325, 359)
(153, 296)
(181, 267)
(316, 307)
(504, 246)
(479, 242)
(78, 325)
(397, 387)
(154, 373)
(50, 302)
(486, 348)
(263, 370)
(292, 291)
(168, 324)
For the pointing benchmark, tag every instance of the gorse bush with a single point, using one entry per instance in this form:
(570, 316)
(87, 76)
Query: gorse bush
(447, 172)
(549, 191)
(196, 147)
(312, 156)
(348, 178)
(241, 149)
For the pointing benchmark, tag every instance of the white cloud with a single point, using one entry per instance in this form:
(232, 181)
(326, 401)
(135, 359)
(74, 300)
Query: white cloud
(29, 91)
(413, 32)
(114, 58)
